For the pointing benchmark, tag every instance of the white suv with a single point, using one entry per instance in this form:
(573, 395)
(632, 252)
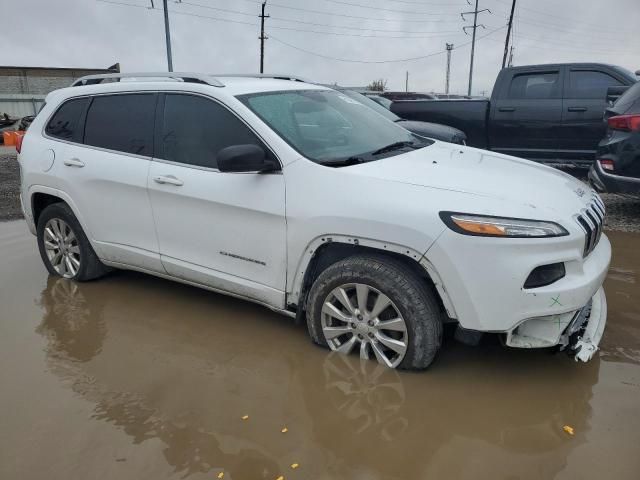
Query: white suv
(297, 197)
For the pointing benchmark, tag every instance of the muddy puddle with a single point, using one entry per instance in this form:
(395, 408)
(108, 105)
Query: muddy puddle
(133, 377)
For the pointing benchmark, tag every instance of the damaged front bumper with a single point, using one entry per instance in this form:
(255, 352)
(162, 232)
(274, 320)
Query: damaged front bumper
(579, 332)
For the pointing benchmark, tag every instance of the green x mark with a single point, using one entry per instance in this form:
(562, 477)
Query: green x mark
(559, 321)
(555, 301)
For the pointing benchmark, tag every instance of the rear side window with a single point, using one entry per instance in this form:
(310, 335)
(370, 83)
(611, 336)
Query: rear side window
(628, 99)
(540, 85)
(590, 84)
(65, 123)
(122, 122)
(195, 129)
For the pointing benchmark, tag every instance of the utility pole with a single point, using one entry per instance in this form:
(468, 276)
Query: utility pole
(167, 33)
(406, 82)
(473, 39)
(506, 42)
(511, 57)
(446, 85)
(262, 36)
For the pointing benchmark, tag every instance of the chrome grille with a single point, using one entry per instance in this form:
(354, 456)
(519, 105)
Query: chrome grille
(591, 220)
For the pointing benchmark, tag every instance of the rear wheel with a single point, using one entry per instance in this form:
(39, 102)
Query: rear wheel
(377, 307)
(64, 248)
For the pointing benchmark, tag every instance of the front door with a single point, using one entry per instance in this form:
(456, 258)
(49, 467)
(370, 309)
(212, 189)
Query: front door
(223, 230)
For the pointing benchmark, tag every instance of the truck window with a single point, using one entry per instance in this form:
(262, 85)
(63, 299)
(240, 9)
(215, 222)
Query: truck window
(590, 84)
(538, 85)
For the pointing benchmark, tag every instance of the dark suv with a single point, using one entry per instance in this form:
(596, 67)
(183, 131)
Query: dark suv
(617, 165)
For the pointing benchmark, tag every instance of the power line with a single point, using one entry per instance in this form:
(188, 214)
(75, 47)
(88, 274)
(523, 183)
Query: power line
(382, 9)
(125, 4)
(188, 14)
(565, 22)
(358, 17)
(304, 30)
(399, 60)
(421, 3)
(226, 10)
(315, 53)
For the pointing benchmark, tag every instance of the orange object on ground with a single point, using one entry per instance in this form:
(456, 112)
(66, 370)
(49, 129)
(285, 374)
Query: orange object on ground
(9, 138)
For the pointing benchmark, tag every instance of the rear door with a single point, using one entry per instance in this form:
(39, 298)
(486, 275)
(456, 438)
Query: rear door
(527, 113)
(224, 230)
(585, 92)
(104, 166)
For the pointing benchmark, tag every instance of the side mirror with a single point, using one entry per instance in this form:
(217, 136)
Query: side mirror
(614, 92)
(244, 158)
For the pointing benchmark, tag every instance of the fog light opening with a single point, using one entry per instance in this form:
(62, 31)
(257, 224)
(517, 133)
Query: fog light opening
(545, 275)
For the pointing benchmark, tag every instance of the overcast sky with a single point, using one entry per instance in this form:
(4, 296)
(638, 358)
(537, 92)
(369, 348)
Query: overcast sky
(223, 37)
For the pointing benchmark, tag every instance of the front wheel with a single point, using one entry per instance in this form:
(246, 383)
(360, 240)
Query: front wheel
(378, 307)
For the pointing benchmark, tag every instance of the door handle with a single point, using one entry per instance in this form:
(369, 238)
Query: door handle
(168, 179)
(577, 109)
(506, 109)
(74, 162)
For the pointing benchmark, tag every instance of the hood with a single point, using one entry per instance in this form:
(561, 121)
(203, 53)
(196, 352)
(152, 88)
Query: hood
(433, 130)
(483, 173)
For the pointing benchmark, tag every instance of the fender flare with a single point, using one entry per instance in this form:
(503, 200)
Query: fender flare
(294, 290)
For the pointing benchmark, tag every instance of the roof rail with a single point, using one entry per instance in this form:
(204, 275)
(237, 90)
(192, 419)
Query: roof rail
(175, 76)
(276, 76)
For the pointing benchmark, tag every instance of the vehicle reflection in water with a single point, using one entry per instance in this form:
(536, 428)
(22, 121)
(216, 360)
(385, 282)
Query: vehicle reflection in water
(180, 365)
(367, 394)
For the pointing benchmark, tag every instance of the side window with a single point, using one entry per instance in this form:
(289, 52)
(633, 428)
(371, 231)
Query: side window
(590, 84)
(195, 129)
(542, 85)
(64, 123)
(122, 122)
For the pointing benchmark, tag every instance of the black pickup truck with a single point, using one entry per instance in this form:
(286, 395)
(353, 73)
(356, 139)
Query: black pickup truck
(548, 113)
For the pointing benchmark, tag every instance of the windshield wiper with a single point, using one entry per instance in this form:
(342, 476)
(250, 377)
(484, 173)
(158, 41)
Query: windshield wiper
(393, 146)
(344, 162)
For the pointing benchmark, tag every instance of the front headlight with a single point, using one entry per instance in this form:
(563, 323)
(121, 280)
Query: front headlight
(490, 226)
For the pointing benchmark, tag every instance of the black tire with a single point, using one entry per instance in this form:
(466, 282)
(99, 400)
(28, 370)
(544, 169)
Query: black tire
(90, 265)
(410, 294)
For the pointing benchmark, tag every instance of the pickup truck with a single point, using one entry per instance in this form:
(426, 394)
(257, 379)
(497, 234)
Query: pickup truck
(548, 113)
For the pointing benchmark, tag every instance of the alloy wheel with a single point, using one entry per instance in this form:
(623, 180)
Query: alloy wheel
(356, 315)
(62, 248)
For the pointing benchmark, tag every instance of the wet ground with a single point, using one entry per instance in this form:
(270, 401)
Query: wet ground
(133, 377)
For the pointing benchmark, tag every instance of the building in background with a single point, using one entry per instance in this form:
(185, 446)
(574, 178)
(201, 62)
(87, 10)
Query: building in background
(23, 89)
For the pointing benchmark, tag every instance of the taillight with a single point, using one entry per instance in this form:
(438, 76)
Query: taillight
(629, 123)
(606, 164)
(19, 142)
